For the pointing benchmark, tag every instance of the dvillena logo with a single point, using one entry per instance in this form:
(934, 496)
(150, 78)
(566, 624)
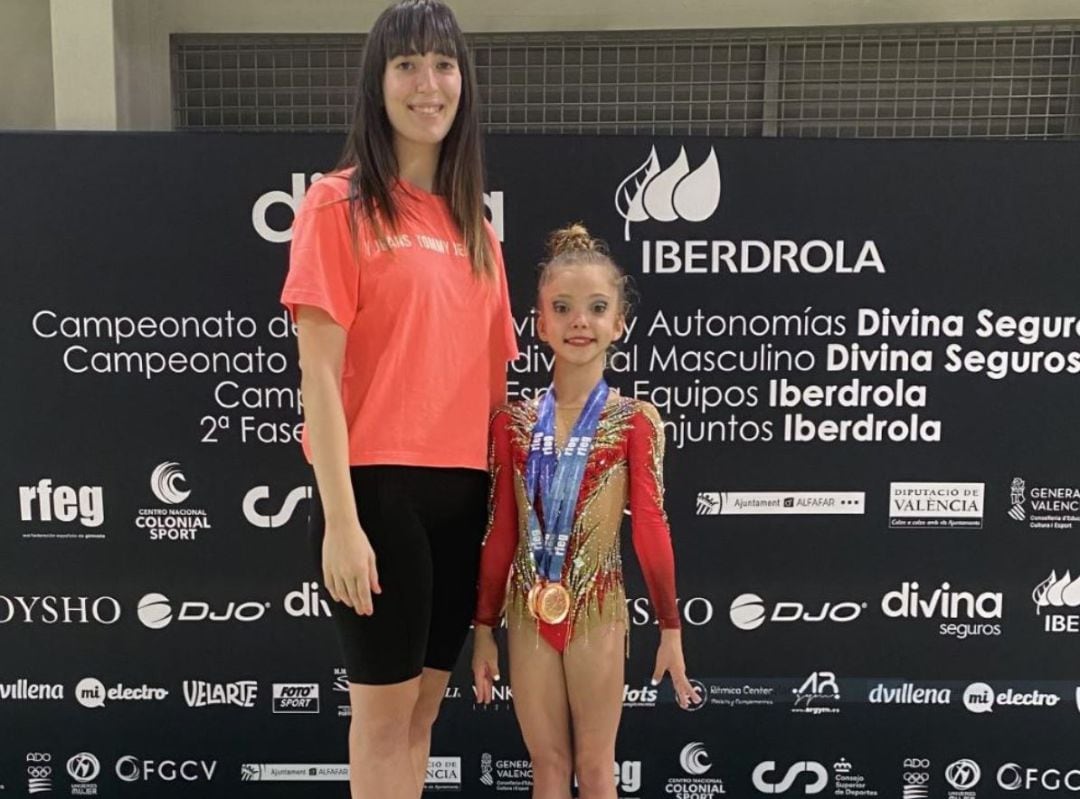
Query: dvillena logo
(666, 195)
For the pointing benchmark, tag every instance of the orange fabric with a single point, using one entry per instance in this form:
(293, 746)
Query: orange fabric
(427, 346)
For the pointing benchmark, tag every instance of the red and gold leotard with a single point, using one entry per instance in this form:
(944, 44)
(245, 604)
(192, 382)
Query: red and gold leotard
(624, 466)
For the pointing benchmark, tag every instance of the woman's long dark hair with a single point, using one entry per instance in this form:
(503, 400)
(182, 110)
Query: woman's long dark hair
(416, 27)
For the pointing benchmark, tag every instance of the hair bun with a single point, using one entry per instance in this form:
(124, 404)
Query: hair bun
(572, 239)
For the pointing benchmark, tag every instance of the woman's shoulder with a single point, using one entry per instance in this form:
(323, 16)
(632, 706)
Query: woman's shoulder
(332, 187)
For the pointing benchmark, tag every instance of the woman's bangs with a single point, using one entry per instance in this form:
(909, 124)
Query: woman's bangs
(417, 30)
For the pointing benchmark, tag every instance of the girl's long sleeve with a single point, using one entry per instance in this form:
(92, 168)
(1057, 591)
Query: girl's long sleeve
(650, 531)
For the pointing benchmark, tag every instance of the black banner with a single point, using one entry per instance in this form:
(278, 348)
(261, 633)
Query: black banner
(866, 356)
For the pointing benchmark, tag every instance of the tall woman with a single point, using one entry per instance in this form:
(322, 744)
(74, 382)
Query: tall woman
(398, 289)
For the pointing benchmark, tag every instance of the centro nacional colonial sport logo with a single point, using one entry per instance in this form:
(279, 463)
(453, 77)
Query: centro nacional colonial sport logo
(669, 194)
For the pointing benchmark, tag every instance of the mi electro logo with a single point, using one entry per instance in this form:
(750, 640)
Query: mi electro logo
(493, 203)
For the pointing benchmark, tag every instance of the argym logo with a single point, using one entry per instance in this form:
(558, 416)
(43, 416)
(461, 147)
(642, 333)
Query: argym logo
(816, 775)
(667, 195)
(493, 203)
(272, 520)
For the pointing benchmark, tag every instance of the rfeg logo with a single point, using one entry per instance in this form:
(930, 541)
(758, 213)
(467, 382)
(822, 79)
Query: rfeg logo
(667, 195)
(493, 202)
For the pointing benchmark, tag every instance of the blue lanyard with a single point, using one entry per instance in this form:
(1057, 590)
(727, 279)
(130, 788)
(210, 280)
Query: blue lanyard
(554, 480)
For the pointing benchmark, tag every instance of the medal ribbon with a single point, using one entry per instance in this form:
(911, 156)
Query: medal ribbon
(553, 480)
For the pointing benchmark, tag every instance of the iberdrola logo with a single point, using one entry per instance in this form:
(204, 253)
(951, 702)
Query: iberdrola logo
(665, 195)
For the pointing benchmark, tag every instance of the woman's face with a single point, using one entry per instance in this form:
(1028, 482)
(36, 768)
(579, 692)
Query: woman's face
(421, 93)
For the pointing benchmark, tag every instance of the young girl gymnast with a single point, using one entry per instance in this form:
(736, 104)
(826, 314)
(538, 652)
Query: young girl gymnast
(563, 469)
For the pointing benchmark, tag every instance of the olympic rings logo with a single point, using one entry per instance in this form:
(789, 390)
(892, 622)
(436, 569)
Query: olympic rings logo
(916, 778)
(917, 762)
(39, 772)
(38, 757)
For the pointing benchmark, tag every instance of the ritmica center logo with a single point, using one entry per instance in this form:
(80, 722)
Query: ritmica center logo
(171, 523)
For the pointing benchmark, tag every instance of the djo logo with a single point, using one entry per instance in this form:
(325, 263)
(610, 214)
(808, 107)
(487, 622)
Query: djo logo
(816, 773)
(694, 759)
(155, 611)
(84, 767)
(666, 195)
(279, 519)
(963, 775)
(164, 480)
(748, 612)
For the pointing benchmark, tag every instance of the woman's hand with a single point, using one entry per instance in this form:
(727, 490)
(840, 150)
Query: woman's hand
(485, 663)
(349, 571)
(669, 659)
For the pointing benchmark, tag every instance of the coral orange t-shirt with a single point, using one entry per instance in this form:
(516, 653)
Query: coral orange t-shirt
(428, 342)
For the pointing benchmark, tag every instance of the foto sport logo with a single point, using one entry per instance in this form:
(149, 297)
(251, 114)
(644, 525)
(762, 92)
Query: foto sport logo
(165, 482)
(667, 195)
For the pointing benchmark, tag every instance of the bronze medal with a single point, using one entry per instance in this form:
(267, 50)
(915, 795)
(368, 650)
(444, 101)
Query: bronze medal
(553, 603)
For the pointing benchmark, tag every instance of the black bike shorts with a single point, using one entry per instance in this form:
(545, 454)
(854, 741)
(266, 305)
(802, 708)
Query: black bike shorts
(425, 525)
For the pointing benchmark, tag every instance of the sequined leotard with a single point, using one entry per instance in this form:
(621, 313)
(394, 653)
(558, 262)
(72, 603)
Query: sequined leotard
(624, 466)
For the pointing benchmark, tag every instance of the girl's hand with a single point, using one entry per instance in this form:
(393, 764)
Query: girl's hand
(349, 572)
(485, 663)
(669, 659)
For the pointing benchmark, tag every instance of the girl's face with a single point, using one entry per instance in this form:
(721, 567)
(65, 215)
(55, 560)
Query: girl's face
(421, 93)
(580, 313)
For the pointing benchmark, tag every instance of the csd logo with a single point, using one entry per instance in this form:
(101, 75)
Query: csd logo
(819, 777)
(282, 517)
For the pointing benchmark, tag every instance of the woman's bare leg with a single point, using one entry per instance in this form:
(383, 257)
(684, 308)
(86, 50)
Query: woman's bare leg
(380, 763)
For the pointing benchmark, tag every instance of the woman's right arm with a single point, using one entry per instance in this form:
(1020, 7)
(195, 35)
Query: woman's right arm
(348, 562)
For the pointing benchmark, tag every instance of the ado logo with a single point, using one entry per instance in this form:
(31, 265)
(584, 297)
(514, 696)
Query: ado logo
(748, 612)
(666, 195)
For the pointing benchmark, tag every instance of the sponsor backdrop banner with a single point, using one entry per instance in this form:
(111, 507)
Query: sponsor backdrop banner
(866, 355)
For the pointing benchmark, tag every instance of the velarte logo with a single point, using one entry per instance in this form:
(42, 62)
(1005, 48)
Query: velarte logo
(204, 694)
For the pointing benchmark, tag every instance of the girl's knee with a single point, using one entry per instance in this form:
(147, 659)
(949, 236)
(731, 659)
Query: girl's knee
(552, 763)
(595, 771)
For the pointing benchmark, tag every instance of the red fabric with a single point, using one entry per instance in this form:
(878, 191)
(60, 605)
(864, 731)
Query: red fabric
(651, 534)
(428, 342)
